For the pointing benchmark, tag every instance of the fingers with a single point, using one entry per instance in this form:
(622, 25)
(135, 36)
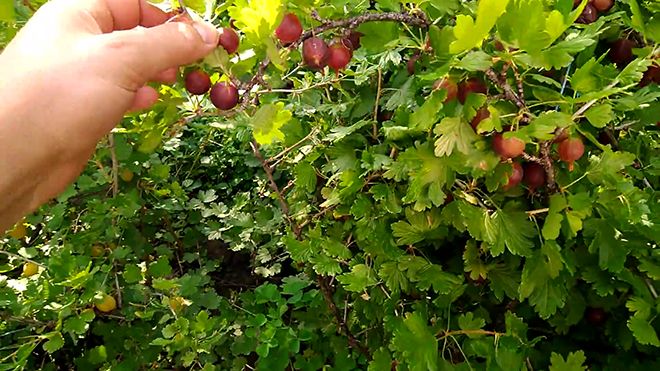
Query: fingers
(149, 51)
(127, 14)
(145, 97)
(110, 15)
(168, 76)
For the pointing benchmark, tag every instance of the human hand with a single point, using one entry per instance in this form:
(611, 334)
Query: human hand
(68, 78)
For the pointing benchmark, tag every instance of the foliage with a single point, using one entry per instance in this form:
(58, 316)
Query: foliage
(357, 220)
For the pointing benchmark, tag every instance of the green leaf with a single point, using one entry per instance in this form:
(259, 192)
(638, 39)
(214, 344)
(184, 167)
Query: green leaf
(416, 343)
(160, 268)
(574, 362)
(382, 360)
(637, 18)
(75, 325)
(544, 293)
(467, 321)
(643, 331)
(473, 263)
(257, 19)
(639, 306)
(612, 251)
(393, 276)
(55, 342)
(268, 120)
(552, 224)
(558, 55)
(605, 169)
(475, 61)
(419, 227)
(512, 229)
(455, 134)
(7, 12)
(600, 115)
(543, 127)
(132, 273)
(470, 33)
(358, 279)
(425, 116)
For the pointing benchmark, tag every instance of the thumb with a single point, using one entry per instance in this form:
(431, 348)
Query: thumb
(149, 51)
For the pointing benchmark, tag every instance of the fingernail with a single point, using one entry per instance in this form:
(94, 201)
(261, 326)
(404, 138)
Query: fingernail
(208, 33)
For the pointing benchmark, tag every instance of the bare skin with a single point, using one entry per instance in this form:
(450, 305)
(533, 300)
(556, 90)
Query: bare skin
(69, 76)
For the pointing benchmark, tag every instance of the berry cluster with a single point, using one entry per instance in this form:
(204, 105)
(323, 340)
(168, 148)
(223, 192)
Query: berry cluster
(224, 95)
(317, 54)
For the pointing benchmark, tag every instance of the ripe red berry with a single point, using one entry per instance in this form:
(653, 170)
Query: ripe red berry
(508, 148)
(621, 52)
(410, 65)
(571, 150)
(449, 85)
(534, 176)
(589, 15)
(602, 5)
(515, 177)
(315, 53)
(354, 39)
(472, 85)
(224, 95)
(651, 76)
(596, 316)
(197, 82)
(339, 56)
(482, 114)
(228, 40)
(289, 30)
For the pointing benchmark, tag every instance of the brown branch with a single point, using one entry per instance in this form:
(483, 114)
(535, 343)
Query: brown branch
(115, 165)
(273, 185)
(418, 19)
(327, 295)
(508, 92)
(547, 165)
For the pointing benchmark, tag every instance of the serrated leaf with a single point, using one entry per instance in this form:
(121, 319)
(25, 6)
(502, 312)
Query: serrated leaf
(268, 120)
(543, 127)
(643, 331)
(475, 61)
(512, 229)
(600, 115)
(425, 116)
(552, 224)
(416, 343)
(358, 279)
(393, 276)
(257, 19)
(55, 342)
(470, 33)
(454, 134)
(467, 321)
(574, 362)
(605, 169)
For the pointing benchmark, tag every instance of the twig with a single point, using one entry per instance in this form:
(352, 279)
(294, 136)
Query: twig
(548, 166)
(532, 158)
(445, 334)
(16, 256)
(378, 92)
(327, 295)
(292, 147)
(115, 165)
(508, 91)
(119, 301)
(538, 211)
(418, 19)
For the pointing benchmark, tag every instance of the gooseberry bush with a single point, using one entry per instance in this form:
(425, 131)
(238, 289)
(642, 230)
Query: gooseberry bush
(348, 185)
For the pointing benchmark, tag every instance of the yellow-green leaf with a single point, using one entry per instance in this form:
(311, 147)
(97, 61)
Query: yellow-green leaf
(257, 19)
(470, 33)
(267, 122)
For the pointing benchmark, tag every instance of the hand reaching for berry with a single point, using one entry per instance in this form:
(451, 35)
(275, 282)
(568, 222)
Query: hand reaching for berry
(69, 77)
